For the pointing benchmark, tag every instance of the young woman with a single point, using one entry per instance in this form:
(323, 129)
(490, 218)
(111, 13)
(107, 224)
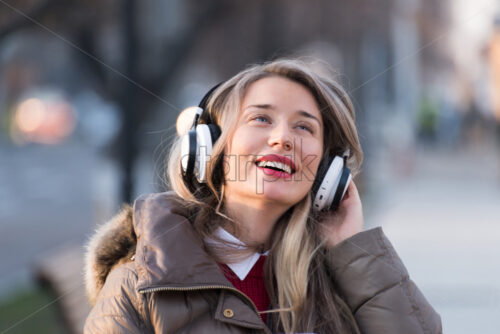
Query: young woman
(241, 244)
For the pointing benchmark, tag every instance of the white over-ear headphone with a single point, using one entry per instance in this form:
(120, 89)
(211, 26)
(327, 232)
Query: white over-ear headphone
(331, 182)
(196, 145)
(329, 186)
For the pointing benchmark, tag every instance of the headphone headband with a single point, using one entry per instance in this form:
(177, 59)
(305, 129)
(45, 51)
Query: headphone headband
(204, 100)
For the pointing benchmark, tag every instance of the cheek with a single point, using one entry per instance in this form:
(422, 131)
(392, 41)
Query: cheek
(314, 168)
(238, 157)
(314, 151)
(246, 143)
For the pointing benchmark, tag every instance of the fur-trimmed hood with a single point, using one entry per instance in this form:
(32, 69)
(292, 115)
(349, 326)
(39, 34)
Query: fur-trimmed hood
(113, 243)
(157, 235)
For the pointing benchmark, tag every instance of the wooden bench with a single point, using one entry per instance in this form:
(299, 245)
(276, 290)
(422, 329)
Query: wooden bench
(61, 272)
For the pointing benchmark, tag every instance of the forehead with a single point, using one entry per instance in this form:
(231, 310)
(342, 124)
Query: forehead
(282, 92)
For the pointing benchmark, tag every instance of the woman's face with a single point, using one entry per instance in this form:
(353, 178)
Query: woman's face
(274, 153)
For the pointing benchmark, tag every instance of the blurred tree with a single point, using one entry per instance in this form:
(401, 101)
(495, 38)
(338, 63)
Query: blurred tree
(82, 23)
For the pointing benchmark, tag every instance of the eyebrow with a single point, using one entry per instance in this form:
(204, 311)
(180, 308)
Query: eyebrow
(270, 106)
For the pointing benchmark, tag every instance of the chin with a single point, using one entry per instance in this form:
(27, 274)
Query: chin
(279, 196)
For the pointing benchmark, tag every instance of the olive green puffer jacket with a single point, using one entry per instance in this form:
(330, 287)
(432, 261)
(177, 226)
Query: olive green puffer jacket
(147, 272)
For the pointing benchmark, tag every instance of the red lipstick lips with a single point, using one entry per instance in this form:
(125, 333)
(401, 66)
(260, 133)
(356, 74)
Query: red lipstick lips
(278, 158)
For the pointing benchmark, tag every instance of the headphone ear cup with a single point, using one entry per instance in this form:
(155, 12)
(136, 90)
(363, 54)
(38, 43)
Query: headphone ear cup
(196, 150)
(204, 151)
(188, 153)
(345, 178)
(207, 135)
(327, 183)
(320, 175)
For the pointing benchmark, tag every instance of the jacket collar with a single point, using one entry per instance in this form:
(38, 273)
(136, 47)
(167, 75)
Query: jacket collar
(240, 268)
(169, 253)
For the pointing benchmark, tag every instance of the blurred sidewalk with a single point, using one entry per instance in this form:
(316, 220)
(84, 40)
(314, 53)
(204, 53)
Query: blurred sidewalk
(443, 218)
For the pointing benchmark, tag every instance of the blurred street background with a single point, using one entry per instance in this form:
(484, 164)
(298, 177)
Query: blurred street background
(90, 91)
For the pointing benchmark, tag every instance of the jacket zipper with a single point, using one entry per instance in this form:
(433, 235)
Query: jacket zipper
(206, 287)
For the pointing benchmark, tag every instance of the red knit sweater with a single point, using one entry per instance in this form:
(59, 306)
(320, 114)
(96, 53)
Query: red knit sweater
(253, 284)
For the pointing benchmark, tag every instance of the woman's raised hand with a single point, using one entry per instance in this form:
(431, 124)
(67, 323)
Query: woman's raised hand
(346, 221)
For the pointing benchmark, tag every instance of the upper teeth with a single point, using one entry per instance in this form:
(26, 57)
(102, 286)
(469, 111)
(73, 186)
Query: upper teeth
(275, 164)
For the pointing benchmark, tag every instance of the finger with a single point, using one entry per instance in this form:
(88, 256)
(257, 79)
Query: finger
(351, 193)
(349, 190)
(352, 187)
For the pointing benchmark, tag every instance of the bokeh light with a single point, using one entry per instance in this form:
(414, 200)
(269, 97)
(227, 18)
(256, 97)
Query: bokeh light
(43, 121)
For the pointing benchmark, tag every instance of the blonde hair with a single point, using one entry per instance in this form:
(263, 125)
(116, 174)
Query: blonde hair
(297, 279)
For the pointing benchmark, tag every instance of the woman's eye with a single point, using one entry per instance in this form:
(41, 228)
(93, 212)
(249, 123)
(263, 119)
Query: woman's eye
(260, 119)
(305, 127)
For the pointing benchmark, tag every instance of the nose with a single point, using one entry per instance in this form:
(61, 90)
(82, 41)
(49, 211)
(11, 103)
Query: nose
(280, 136)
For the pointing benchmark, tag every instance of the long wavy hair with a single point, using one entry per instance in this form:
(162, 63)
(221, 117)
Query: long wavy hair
(302, 291)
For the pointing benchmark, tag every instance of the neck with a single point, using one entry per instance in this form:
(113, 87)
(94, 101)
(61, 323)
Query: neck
(255, 220)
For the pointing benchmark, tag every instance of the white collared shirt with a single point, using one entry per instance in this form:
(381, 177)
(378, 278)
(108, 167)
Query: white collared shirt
(242, 267)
